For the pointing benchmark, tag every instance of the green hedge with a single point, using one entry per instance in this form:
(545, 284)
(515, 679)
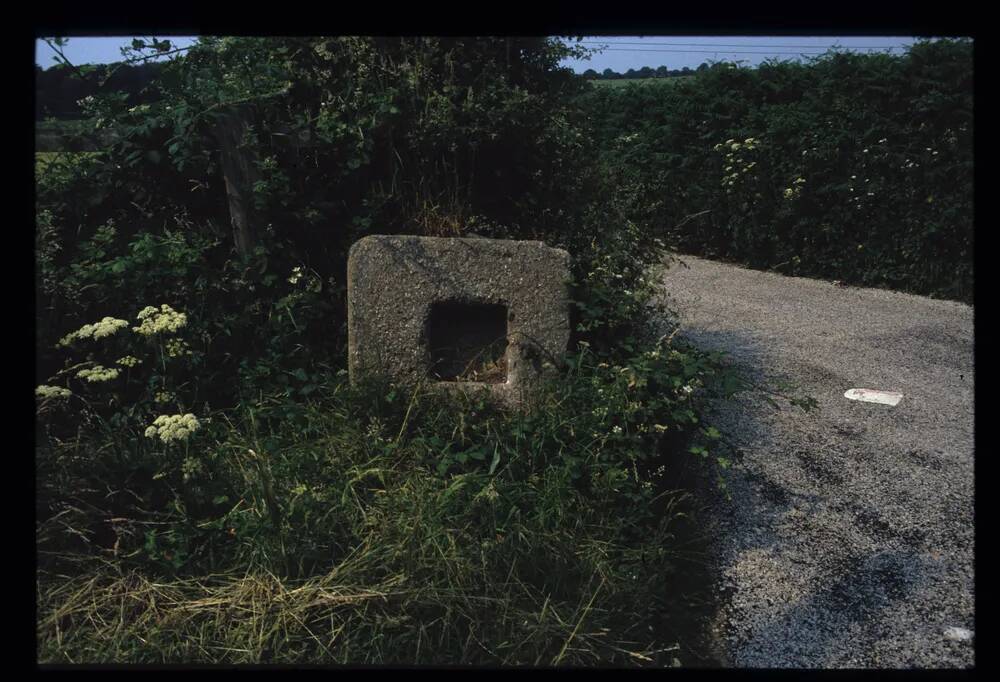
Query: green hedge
(859, 167)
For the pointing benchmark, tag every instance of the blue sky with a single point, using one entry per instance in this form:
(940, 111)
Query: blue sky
(95, 50)
(624, 53)
(676, 52)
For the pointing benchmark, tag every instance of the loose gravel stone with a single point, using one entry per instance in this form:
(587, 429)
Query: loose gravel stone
(847, 540)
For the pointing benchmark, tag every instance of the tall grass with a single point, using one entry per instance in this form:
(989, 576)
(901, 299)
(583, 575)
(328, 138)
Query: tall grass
(375, 525)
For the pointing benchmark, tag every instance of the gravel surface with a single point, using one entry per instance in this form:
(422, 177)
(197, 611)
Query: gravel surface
(848, 538)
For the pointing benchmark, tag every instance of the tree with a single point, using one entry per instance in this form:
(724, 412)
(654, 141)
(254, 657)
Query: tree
(372, 131)
(590, 74)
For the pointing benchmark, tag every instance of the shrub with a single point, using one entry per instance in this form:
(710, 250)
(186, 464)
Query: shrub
(860, 170)
(208, 458)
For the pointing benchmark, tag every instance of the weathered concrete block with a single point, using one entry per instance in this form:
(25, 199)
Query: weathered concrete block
(483, 314)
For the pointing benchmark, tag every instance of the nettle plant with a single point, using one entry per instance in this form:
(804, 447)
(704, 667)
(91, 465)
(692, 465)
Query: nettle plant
(128, 372)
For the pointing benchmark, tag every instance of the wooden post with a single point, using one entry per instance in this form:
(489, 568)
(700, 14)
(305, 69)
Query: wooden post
(239, 169)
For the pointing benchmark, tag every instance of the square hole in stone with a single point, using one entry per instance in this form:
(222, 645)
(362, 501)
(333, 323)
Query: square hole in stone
(468, 342)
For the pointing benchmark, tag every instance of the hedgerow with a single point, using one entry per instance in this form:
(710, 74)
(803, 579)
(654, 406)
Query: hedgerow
(849, 167)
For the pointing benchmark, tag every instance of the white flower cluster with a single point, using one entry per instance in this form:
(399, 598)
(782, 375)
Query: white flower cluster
(44, 391)
(105, 327)
(736, 164)
(177, 347)
(154, 321)
(98, 373)
(164, 396)
(297, 272)
(191, 467)
(128, 361)
(173, 427)
(749, 143)
(796, 188)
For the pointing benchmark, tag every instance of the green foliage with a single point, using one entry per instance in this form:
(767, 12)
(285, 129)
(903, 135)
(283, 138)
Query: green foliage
(400, 135)
(862, 170)
(438, 501)
(561, 519)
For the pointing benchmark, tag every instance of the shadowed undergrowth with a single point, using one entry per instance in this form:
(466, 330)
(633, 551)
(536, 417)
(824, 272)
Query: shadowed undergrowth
(379, 524)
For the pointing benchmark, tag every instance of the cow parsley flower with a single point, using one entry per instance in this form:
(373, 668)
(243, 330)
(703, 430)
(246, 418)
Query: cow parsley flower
(177, 347)
(128, 361)
(98, 330)
(191, 467)
(154, 321)
(44, 391)
(98, 373)
(173, 427)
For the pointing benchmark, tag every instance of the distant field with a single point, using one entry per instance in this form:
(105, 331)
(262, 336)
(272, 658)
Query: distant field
(58, 135)
(44, 159)
(622, 82)
(63, 126)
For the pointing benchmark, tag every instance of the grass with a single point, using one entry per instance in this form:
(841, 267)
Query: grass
(372, 526)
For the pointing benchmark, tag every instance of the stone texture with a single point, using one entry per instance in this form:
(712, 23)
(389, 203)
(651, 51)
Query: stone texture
(394, 282)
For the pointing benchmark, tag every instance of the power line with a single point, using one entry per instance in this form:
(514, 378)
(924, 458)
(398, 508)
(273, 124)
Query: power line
(633, 49)
(814, 47)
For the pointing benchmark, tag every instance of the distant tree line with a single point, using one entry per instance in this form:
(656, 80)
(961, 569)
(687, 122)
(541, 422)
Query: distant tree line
(59, 88)
(644, 72)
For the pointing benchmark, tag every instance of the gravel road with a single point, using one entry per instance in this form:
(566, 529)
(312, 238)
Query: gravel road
(848, 538)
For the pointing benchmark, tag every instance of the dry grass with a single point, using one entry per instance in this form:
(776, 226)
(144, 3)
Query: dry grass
(346, 543)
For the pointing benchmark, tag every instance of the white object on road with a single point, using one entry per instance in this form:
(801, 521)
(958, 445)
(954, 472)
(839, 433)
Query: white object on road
(958, 634)
(870, 395)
